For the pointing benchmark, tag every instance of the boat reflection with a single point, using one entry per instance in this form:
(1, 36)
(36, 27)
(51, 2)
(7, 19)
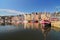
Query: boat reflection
(45, 31)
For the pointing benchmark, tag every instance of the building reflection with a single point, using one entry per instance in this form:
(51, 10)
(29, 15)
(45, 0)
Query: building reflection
(31, 26)
(25, 25)
(28, 25)
(3, 24)
(56, 29)
(36, 25)
(45, 31)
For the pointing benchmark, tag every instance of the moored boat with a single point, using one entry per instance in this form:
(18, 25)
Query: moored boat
(45, 23)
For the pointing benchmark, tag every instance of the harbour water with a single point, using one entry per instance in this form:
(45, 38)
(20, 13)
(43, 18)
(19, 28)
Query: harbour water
(28, 31)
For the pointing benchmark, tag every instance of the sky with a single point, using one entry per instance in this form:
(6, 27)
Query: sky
(30, 5)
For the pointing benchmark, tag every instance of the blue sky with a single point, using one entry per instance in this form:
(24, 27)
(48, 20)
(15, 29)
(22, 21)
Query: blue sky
(30, 5)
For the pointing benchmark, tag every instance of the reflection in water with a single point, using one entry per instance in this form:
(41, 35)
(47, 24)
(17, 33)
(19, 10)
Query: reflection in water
(8, 27)
(37, 34)
(31, 26)
(3, 24)
(24, 25)
(45, 31)
(28, 25)
(36, 25)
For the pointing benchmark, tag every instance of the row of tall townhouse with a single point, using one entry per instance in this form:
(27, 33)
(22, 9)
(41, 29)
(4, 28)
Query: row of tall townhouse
(34, 16)
(45, 16)
(11, 19)
(30, 17)
(37, 16)
(55, 16)
(17, 19)
(5, 19)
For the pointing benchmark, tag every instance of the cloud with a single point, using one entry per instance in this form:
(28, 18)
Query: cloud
(57, 6)
(11, 11)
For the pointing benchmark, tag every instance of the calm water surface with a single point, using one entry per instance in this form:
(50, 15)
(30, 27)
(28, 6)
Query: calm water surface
(28, 31)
